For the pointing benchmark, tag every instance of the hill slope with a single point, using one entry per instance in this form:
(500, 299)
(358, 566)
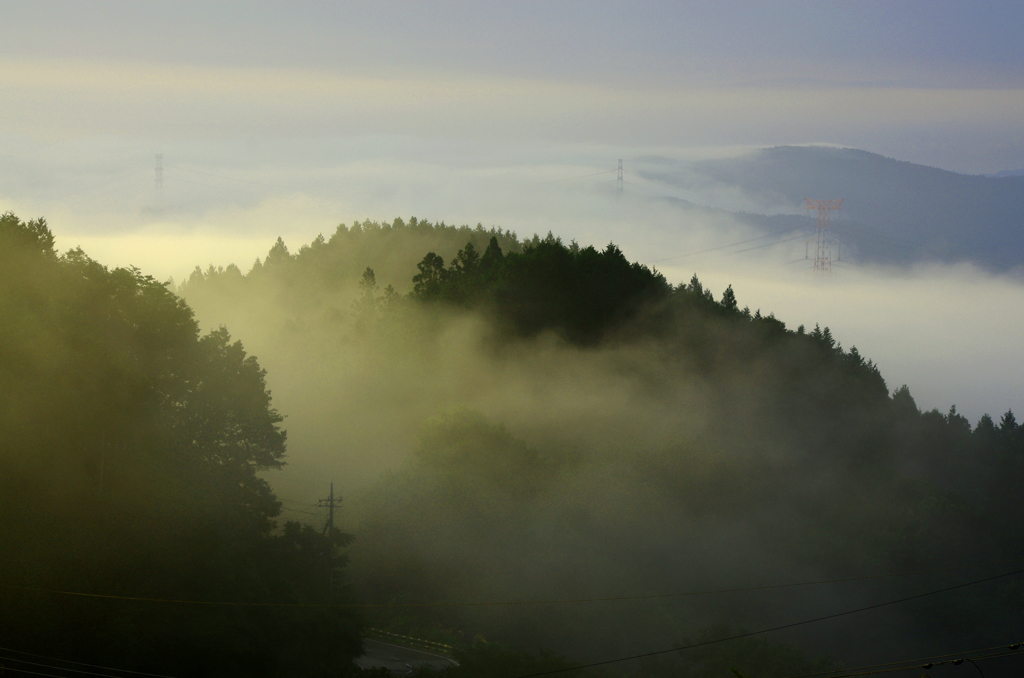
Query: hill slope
(555, 421)
(893, 211)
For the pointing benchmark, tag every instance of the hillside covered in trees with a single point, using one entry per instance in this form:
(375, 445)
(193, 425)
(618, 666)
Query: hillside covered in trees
(535, 420)
(136, 530)
(539, 443)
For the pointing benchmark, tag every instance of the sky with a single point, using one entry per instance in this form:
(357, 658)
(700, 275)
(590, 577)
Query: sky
(540, 58)
(285, 119)
(938, 83)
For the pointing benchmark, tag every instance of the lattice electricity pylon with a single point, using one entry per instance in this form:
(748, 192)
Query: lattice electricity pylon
(823, 258)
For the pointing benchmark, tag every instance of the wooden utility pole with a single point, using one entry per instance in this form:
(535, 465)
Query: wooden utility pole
(329, 532)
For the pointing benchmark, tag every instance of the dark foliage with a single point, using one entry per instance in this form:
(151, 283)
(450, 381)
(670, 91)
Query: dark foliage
(802, 419)
(793, 441)
(579, 293)
(131, 449)
(328, 265)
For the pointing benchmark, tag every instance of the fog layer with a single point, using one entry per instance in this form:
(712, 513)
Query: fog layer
(553, 464)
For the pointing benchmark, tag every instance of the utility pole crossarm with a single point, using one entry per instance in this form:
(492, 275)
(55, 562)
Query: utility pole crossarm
(330, 503)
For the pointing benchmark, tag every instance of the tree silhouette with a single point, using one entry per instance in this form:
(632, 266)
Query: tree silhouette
(130, 463)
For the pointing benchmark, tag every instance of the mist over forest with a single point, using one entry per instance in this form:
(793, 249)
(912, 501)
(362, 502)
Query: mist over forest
(519, 419)
(509, 422)
(506, 339)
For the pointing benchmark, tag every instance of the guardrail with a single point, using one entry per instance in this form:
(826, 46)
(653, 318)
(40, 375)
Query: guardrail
(409, 640)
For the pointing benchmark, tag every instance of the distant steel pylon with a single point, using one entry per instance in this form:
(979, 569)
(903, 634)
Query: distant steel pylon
(618, 181)
(823, 258)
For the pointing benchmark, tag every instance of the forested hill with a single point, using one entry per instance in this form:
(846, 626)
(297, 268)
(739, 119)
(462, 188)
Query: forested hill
(530, 421)
(894, 212)
(330, 266)
(136, 530)
(540, 419)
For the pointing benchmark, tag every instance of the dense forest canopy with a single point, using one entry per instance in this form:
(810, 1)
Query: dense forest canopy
(511, 421)
(132, 448)
(534, 419)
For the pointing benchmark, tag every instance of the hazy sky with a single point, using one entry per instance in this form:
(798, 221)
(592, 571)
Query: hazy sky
(288, 118)
(933, 43)
(932, 82)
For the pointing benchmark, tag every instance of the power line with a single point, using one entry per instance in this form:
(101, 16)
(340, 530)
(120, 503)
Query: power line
(296, 501)
(294, 479)
(531, 602)
(871, 233)
(722, 247)
(69, 661)
(831, 674)
(59, 668)
(928, 665)
(775, 628)
(33, 673)
(771, 244)
(308, 513)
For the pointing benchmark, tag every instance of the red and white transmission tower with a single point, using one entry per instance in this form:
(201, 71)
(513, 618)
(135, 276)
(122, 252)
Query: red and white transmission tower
(823, 259)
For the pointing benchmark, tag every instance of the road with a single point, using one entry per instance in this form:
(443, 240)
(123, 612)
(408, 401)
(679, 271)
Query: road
(397, 659)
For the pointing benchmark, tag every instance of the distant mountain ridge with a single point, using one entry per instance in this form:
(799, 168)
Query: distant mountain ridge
(1006, 173)
(894, 212)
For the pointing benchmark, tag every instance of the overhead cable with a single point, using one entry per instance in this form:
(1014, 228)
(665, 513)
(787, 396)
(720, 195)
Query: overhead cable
(919, 660)
(732, 244)
(776, 628)
(69, 661)
(928, 665)
(58, 668)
